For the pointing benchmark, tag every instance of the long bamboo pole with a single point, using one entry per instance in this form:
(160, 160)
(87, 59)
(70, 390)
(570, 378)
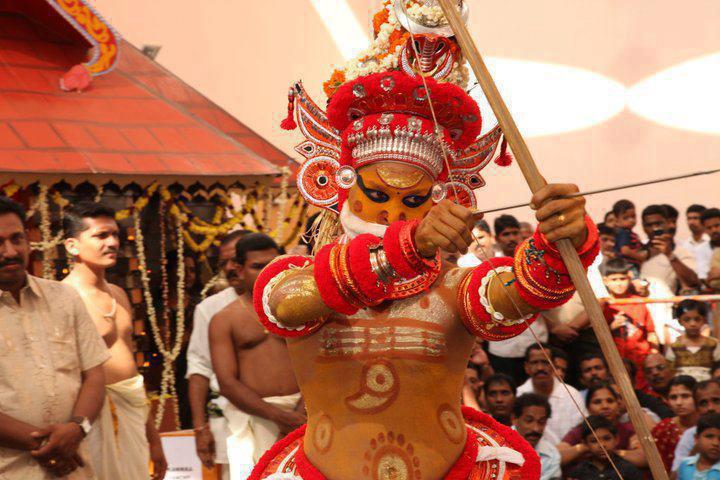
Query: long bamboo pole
(567, 250)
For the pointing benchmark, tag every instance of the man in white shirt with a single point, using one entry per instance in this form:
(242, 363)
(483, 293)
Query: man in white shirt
(699, 242)
(542, 382)
(211, 429)
(480, 250)
(531, 413)
(669, 269)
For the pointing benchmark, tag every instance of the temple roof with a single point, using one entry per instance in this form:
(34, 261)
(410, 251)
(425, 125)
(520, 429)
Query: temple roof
(138, 121)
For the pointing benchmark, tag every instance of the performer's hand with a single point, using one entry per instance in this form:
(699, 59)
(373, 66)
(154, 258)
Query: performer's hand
(560, 217)
(205, 446)
(288, 421)
(448, 227)
(157, 456)
(63, 441)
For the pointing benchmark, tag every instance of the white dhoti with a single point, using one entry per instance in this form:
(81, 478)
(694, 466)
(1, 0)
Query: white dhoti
(117, 443)
(251, 436)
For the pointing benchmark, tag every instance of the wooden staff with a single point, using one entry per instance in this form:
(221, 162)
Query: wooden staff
(565, 246)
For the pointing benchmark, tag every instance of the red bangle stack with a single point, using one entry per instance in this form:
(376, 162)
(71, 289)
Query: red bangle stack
(542, 278)
(401, 252)
(475, 306)
(345, 278)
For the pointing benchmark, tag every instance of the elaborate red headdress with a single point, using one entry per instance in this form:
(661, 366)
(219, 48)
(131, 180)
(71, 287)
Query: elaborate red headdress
(387, 116)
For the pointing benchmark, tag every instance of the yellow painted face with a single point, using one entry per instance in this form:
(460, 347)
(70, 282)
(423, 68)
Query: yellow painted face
(388, 191)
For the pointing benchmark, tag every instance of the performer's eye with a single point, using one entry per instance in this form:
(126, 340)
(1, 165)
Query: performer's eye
(414, 201)
(376, 196)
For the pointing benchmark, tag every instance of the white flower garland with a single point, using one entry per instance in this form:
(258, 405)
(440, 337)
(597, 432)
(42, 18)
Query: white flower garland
(167, 385)
(46, 243)
(429, 15)
(366, 62)
(282, 202)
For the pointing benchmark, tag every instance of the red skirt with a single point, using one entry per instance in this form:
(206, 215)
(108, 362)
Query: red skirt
(286, 459)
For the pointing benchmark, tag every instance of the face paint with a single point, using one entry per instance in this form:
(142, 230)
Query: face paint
(379, 195)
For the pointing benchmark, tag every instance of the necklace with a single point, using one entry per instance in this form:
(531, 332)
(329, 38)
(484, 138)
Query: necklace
(110, 316)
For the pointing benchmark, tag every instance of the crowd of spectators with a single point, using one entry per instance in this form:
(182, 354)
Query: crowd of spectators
(553, 392)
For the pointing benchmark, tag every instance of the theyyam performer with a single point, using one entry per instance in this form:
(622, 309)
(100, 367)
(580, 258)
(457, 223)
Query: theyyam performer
(378, 328)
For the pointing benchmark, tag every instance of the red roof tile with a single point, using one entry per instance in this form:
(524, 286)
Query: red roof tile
(136, 120)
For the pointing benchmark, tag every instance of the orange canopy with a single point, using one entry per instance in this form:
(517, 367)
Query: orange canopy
(136, 123)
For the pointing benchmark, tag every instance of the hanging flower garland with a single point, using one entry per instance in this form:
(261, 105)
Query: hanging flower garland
(46, 243)
(282, 202)
(164, 283)
(167, 385)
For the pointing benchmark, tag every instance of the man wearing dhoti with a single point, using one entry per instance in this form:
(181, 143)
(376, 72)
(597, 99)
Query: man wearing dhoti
(263, 395)
(123, 439)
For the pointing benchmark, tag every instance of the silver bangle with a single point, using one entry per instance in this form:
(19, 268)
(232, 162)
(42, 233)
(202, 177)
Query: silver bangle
(380, 265)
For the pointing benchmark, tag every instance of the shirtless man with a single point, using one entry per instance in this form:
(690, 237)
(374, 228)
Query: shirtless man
(260, 385)
(209, 423)
(122, 452)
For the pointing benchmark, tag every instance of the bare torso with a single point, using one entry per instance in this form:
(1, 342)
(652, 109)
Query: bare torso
(263, 362)
(115, 329)
(386, 385)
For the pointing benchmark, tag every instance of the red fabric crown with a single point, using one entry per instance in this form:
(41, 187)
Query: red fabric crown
(397, 92)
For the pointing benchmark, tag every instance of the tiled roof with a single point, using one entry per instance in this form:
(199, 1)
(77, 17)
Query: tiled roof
(138, 120)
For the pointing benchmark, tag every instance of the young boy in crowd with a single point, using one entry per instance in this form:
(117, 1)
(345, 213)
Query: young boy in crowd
(692, 353)
(632, 326)
(627, 244)
(598, 465)
(705, 465)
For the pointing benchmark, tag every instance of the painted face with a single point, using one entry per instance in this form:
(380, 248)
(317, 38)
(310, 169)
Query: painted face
(98, 244)
(387, 191)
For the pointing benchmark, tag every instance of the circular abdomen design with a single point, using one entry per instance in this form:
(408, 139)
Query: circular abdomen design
(379, 386)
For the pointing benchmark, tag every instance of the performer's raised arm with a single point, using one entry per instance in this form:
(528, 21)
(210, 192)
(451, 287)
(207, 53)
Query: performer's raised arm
(497, 297)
